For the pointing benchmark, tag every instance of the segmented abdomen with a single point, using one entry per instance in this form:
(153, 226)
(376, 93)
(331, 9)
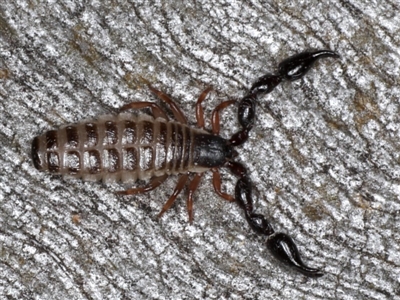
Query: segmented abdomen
(122, 147)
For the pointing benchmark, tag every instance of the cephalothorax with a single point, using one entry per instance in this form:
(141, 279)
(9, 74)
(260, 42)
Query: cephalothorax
(127, 148)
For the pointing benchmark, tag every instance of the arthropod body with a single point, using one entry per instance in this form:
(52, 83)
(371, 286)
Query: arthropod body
(126, 148)
(129, 147)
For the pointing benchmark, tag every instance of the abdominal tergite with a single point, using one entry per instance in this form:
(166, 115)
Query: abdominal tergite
(127, 148)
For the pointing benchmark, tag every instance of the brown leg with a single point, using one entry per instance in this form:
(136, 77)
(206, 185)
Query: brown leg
(215, 115)
(192, 188)
(154, 182)
(217, 186)
(181, 183)
(178, 114)
(199, 108)
(155, 109)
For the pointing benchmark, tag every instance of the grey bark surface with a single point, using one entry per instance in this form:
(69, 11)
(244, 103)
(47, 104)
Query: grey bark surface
(324, 155)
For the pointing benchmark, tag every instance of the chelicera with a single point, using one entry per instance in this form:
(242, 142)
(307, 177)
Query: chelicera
(126, 148)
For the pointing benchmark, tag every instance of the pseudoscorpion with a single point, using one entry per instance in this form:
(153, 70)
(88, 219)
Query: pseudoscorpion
(127, 148)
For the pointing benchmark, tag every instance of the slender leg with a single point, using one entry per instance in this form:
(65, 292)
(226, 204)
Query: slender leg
(154, 183)
(155, 109)
(199, 108)
(217, 186)
(215, 115)
(192, 188)
(178, 114)
(181, 184)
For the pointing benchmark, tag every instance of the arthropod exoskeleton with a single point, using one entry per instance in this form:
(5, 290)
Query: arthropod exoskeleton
(127, 148)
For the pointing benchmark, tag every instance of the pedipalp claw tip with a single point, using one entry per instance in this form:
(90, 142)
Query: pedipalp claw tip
(296, 66)
(285, 250)
(326, 53)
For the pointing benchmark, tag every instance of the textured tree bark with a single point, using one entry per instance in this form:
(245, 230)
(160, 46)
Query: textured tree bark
(323, 155)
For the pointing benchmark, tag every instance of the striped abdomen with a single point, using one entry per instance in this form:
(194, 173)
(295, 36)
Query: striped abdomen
(124, 147)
